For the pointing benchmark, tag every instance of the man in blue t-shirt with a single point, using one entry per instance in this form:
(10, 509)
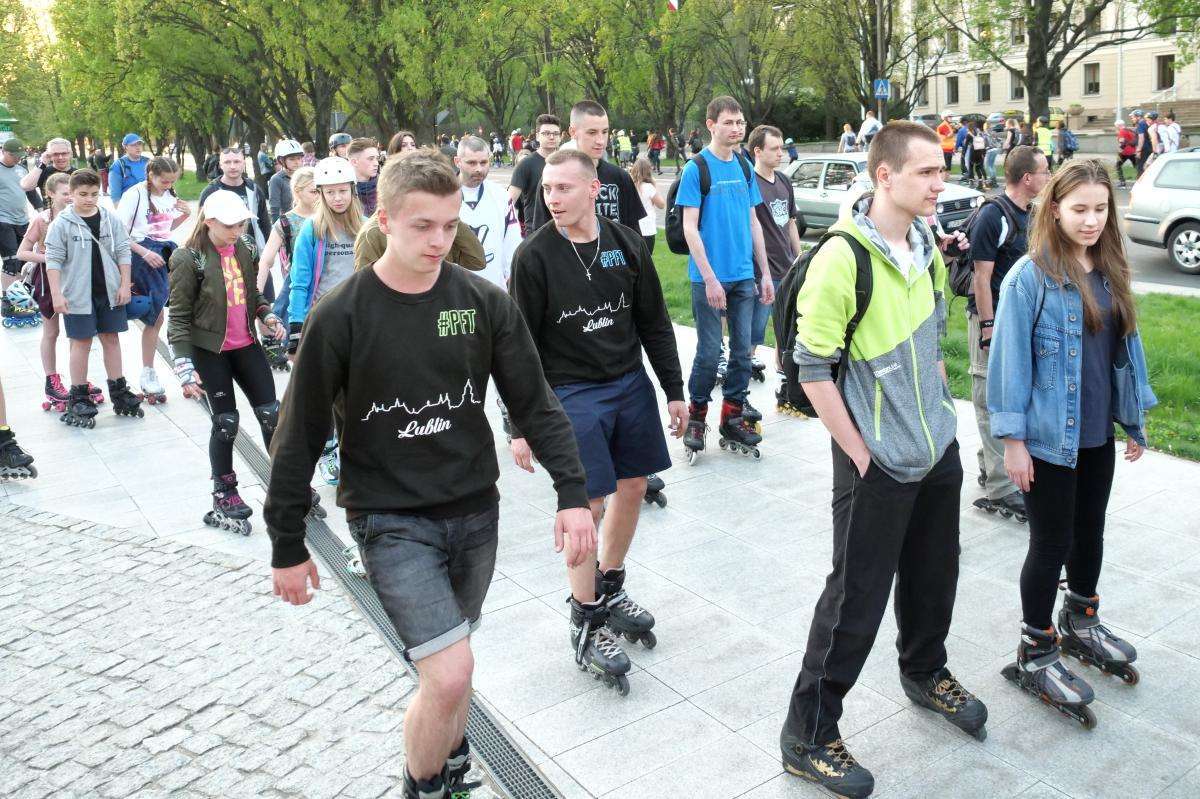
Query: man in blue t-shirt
(724, 241)
(998, 240)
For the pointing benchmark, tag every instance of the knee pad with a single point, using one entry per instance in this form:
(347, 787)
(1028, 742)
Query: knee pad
(268, 416)
(225, 426)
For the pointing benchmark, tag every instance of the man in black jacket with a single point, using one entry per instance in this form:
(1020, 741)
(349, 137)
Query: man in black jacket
(592, 300)
(419, 469)
(233, 178)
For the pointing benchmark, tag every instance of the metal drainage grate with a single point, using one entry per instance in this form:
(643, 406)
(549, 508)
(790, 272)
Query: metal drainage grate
(494, 750)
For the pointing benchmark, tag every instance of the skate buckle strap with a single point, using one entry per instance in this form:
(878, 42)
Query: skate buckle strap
(1042, 662)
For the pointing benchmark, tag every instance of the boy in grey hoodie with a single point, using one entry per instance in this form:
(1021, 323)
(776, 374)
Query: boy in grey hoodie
(87, 266)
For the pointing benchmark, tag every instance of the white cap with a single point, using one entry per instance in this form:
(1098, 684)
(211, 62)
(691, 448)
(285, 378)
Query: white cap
(226, 207)
(332, 171)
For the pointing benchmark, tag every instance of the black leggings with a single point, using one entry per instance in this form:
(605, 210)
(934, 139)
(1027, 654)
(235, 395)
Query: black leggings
(1066, 526)
(247, 367)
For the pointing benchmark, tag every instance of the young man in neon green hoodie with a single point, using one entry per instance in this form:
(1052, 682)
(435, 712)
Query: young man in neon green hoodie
(896, 468)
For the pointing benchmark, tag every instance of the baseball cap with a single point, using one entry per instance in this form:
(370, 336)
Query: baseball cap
(14, 146)
(226, 207)
(130, 138)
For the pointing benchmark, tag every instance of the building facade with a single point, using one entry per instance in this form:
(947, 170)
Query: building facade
(1105, 85)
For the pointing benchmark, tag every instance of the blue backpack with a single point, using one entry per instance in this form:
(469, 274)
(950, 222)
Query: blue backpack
(1070, 143)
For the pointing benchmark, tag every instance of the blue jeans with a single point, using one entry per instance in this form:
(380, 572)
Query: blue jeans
(762, 314)
(989, 164)
(740, 298)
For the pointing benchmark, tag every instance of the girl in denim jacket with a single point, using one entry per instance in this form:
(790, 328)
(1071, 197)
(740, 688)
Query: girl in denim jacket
(1066, 363)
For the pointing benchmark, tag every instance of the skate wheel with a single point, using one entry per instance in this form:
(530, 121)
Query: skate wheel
(649, 640)
(1006, 513)
(661, 500)
(722, 443)
(756, 454)
(1084, 715)
(622, 684)
(1129, 674)
(693, 457)
(980, 734)
(1009, 672)
(982, 480)
(1021, 519)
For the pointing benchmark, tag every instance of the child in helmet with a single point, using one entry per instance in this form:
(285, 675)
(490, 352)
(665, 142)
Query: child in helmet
(33, 251)
(150, 211)
(322, 258)
(214, 300)
(282, 241)
(289, 156)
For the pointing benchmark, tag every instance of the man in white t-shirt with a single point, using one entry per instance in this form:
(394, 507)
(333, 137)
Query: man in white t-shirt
(1169, 133)
(487, 210)
(870, 126)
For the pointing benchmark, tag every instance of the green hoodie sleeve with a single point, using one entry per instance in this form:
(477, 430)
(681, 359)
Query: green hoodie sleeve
(824, 306)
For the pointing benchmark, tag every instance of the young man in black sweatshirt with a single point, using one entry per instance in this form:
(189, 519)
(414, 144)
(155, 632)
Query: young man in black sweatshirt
(592, 299)
(419, 468)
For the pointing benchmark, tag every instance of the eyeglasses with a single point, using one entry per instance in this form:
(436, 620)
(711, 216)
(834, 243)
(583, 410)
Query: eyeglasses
(549, 134)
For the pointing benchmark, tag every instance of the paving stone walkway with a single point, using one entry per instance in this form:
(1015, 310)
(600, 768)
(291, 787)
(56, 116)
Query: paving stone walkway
(135, 666)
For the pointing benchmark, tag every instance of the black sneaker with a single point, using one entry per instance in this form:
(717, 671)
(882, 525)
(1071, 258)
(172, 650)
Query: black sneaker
(829, 765)
(943, 694)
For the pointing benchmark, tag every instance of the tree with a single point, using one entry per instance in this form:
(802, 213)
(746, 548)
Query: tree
(1058, 33)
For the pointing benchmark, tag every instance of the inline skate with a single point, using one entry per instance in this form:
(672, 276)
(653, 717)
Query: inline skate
(596, 651)
(316, 509)
(625, 617)
(152, 390)
(830, 765)
(354, 562)
(330, 464)
(15, 463)
(693, 437)
(654, 491)
(124, 401)
(1011, 506)
(737, 434)
(722, 367)
(1088, 641)
(230, 512)
(81, 408)
(19, 308)
(433, 788)
(752, 415)
(458, 766)
(276, 350)
(943, 694)
(56, 394)
(1039, 670)
(758, 369)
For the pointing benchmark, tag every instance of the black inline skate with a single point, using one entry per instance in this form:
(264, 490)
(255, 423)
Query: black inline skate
(737, 434)
(1090, 642)
(942, 693)
(625, 617)
(316, 509)
(752, 415)
(1011, 506)
(654, 491)
(230, 512)
(722, 367)
(830, 765)
(693, 437)
(81, 408)
(15, 463)
(432, 788)
(458, 765)
(596, 651)
(758, 369)
(276, 350)
(124, 401)
(1039, 670)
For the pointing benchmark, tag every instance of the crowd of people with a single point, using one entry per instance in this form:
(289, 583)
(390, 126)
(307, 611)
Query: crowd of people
(549, 291)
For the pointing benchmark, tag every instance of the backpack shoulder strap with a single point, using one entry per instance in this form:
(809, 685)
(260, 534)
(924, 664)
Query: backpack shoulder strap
(705, 175)
(863, 286)
(745, 164)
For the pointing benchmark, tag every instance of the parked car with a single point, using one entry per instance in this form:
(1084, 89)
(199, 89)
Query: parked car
(1164, 208)
(822, 182)
(928, 120)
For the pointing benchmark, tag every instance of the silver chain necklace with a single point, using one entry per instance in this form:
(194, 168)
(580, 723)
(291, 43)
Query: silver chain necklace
(587, 268)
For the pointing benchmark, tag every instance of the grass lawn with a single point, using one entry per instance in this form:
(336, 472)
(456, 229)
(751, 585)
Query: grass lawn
(1170, 325)
(187, 187)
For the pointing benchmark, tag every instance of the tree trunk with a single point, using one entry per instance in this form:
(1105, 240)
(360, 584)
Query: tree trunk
(1037, 71)
(255, 135)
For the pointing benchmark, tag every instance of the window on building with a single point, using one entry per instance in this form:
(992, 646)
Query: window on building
(1016, 86)
(1164, 72)
(952, 90)
(1016, 31)
(922, 97)
(983, 87)
(1096, 26)
(1091, 78)
(1167, 27)
(923, 47)
(952, 40)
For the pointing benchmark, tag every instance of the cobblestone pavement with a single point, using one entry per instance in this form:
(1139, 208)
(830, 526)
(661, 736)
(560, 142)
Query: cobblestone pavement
(135, 666)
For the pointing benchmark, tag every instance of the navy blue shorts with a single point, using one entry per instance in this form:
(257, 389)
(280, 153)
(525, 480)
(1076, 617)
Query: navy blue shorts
(102, 319)
(618, 429)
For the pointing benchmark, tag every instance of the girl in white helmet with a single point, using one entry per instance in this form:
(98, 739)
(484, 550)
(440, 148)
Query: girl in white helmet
(322, 258)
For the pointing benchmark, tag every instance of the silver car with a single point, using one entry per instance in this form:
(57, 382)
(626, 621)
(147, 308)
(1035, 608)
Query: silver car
(822, 181)
(1164, 208)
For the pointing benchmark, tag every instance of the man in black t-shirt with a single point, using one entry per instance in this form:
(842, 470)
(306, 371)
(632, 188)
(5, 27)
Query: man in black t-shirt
(998, 240)
(233, 178)
(592, 300)
(527, 177)
(56, 158)
(618, 199)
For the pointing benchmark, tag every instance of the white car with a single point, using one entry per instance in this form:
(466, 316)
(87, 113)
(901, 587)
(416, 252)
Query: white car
(822, 182)
(1164, 208)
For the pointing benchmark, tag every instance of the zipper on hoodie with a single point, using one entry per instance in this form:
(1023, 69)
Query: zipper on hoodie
(912, 351)
(878, 407)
